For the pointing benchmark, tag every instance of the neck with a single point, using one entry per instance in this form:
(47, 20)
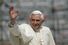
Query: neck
(37, 29)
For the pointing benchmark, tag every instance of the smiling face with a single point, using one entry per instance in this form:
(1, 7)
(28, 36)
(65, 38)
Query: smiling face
(35, 21)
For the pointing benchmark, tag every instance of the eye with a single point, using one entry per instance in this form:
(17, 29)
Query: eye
(37, 20)
(33, 19)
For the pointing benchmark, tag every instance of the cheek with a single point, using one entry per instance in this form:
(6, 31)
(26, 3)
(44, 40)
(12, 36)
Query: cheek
(40, 23)
(31, 22)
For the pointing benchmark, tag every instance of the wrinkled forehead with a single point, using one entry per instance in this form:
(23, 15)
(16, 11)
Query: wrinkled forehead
(37, 17)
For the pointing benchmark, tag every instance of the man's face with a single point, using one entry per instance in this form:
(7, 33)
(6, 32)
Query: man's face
(35, 21)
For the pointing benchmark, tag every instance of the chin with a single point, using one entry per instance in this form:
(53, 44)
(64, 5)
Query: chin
(36, 27)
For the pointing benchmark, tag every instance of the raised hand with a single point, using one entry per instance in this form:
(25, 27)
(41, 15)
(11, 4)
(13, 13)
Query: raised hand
(13, 14)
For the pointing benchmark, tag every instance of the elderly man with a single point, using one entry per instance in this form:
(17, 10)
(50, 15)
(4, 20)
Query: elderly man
(30, 34)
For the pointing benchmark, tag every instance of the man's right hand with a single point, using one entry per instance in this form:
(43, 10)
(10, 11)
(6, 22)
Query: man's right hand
(13, 15)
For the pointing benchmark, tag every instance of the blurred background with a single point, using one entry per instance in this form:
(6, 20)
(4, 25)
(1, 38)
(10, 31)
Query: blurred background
(57, 15)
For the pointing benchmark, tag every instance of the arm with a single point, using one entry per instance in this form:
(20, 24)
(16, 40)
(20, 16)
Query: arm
(51, 40)
(13, 29)
(19, 31)
(25, 36)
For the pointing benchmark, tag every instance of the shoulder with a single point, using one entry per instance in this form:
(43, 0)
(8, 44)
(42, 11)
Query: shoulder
(23, 25)
(46, 29)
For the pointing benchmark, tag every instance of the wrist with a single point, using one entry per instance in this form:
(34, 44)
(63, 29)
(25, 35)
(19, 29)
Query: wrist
(11, 25)
(12, 21)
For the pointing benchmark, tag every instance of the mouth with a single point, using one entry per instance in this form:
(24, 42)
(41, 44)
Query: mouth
(36, 26)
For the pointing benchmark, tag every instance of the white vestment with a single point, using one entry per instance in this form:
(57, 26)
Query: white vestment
(24, 35)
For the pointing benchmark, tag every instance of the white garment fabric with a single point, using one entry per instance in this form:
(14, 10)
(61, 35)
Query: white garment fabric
(28, 36)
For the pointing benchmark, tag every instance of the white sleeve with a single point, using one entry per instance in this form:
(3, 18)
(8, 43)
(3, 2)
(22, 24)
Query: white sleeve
(14, 30)
(51, 40)
(24, 35)
(18, 30)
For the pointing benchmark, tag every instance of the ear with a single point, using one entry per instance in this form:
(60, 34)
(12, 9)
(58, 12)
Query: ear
(45, 17)
(28, 19)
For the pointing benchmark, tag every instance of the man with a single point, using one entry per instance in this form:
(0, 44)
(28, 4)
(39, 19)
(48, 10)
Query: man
(30, 34)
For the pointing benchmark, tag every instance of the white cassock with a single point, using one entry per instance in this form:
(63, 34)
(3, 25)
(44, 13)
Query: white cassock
(24, 35)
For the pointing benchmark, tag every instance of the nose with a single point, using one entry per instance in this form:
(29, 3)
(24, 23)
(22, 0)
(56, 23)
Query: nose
(35, 22)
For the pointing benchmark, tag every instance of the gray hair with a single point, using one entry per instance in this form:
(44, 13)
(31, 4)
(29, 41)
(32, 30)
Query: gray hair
(37, 12)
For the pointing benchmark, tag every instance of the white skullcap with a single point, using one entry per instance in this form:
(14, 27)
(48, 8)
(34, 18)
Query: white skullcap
(37, 12)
